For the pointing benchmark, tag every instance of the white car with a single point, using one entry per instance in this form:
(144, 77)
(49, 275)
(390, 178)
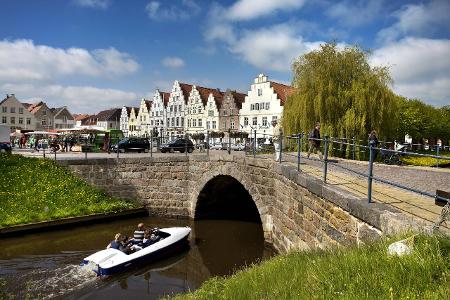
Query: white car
(237, 147)
(216, 146)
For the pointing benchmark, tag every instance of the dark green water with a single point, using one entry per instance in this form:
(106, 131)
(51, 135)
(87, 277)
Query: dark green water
(46, 265)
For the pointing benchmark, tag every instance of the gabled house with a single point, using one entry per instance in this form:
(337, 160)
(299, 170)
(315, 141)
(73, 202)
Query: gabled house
(63, 119)
(229, 111)
(124, 119)
(175, 111)
(43, 115)
(133, 122)
(78, 118)
(263, 104)
(143, 118)
(109, 119)
(158, 112)
(15, 114)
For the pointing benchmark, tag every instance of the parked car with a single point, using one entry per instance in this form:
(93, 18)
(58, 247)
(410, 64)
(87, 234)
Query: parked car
(178, 145)
(237, 147)
(5, 144)
(132, 144)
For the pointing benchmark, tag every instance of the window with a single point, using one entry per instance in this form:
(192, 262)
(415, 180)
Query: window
(189, 122)
(199, 110)
(171, 108)
(182, 122)
(151, 122)
(20, 110)
(267, 105)
(208, 125)
(20, 120)
(194, 123)
(224, 124)
(178, 121)
(214, 124)
(175, 109)
(264, 121)
(274, 118)
(4, 109)
(200, 123)
(256, 106)
(194, 111)
(210, 113)
(4, 120)
(179, 108)
(245, 121)
(232, 124)
(168, 121)
(261, 106)
(28, 121)
(13, 120)
(259, 92)
(12, 110)
(252, 107)
(255, 121)
(173, 121)
(44, 112)
(224, 112)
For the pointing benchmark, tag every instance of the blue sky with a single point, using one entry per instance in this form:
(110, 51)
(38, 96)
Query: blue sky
(96, 54)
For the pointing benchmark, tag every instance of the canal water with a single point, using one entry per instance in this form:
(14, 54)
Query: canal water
(46, 265)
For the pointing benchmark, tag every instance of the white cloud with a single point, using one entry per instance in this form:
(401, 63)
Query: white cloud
(420, 68)
(355, 13)
(252, 9)
(23, 60)
(79, 99)
(272, 48)
(418, 19)
(102, 4)
(172, 62)
(159, 12)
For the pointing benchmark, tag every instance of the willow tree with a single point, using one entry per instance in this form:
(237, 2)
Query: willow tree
(340, 89)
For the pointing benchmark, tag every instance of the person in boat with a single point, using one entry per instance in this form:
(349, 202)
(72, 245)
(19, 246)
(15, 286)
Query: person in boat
(138, 235)
(150, 237)
(118, 243)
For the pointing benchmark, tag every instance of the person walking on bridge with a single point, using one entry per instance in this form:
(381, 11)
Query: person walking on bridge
(314, 141)
(276, 139)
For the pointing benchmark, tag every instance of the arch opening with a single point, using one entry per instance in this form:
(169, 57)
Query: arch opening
(225, 198)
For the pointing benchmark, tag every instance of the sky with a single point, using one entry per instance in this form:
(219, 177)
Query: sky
(91, 55)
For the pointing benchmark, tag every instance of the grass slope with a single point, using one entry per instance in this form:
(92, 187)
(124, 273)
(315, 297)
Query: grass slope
(33, 190)
(358, 273)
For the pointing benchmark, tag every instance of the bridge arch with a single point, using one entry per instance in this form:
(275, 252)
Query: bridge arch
(233, 176)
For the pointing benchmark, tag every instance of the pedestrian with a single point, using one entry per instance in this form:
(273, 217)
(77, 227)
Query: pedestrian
(373, 143)
(314, 141)
(66, 143)
(71, 142)
(276, 138)
(106, 142)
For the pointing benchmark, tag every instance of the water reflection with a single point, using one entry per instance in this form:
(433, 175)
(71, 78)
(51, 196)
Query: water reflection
(47, 264)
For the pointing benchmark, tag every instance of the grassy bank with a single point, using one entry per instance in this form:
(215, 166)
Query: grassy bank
(33, 190)
(427, 161)
(359, 273)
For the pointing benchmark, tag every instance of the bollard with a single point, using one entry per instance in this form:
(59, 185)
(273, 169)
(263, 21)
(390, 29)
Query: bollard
(370, 175)
(117, 149)
(185, 144)
(229, 141)
(207, 143)
(254, 144)
(281, 145)
(85, 154)
(151, 145)
(299, 147)
(437, 154)
(353, 148)
(325, 158)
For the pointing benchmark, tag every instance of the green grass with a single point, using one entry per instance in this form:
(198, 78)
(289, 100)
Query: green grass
(33, 190)
(356, 273)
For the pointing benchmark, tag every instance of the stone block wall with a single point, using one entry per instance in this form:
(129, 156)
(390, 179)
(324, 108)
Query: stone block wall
(297, 211)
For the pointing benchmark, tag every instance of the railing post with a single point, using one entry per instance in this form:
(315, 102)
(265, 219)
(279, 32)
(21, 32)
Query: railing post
(43, 151)
(370, 175)
(117, 149)
(254, 143)
(207, 143)
(299, 147)
(229, 140)
(325, 158)
(55, 153)
(280, 144)
(85, 154)
(437, 154)
(151, 144)
(353, 148)
(185, 144)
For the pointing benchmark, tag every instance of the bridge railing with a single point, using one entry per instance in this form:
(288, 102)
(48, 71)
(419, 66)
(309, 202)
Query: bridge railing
(298, 147)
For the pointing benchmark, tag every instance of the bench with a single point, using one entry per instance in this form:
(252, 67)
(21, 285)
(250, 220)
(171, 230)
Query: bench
(442, 194)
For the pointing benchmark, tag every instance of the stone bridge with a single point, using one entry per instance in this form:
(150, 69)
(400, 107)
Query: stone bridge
(296, 211)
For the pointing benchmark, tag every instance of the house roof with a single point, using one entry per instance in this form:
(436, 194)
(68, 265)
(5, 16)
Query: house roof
(239, 98)
(186, 89)
(33, 108)
(80, 117)
(57, 110)
(148, 103)
(89, 120)
(282, 90)
(165, 97)
(204, 94)
(112, 114)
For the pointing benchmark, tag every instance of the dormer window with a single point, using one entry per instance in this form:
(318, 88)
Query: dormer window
(259, 92)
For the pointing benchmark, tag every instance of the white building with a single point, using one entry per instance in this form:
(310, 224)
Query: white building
(124, 119)
(175, 110)
(211, 113)
(63, 119)
(158, 112)
(16, 115)
(263, 104)
(133, 122)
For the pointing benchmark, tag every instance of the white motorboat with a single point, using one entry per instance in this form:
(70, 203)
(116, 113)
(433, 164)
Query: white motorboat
(110, 261)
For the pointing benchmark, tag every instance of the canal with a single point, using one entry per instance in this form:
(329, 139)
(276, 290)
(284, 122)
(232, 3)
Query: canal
(46, 265)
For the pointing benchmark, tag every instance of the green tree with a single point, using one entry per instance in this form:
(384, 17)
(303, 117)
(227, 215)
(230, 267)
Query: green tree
(340, 89)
